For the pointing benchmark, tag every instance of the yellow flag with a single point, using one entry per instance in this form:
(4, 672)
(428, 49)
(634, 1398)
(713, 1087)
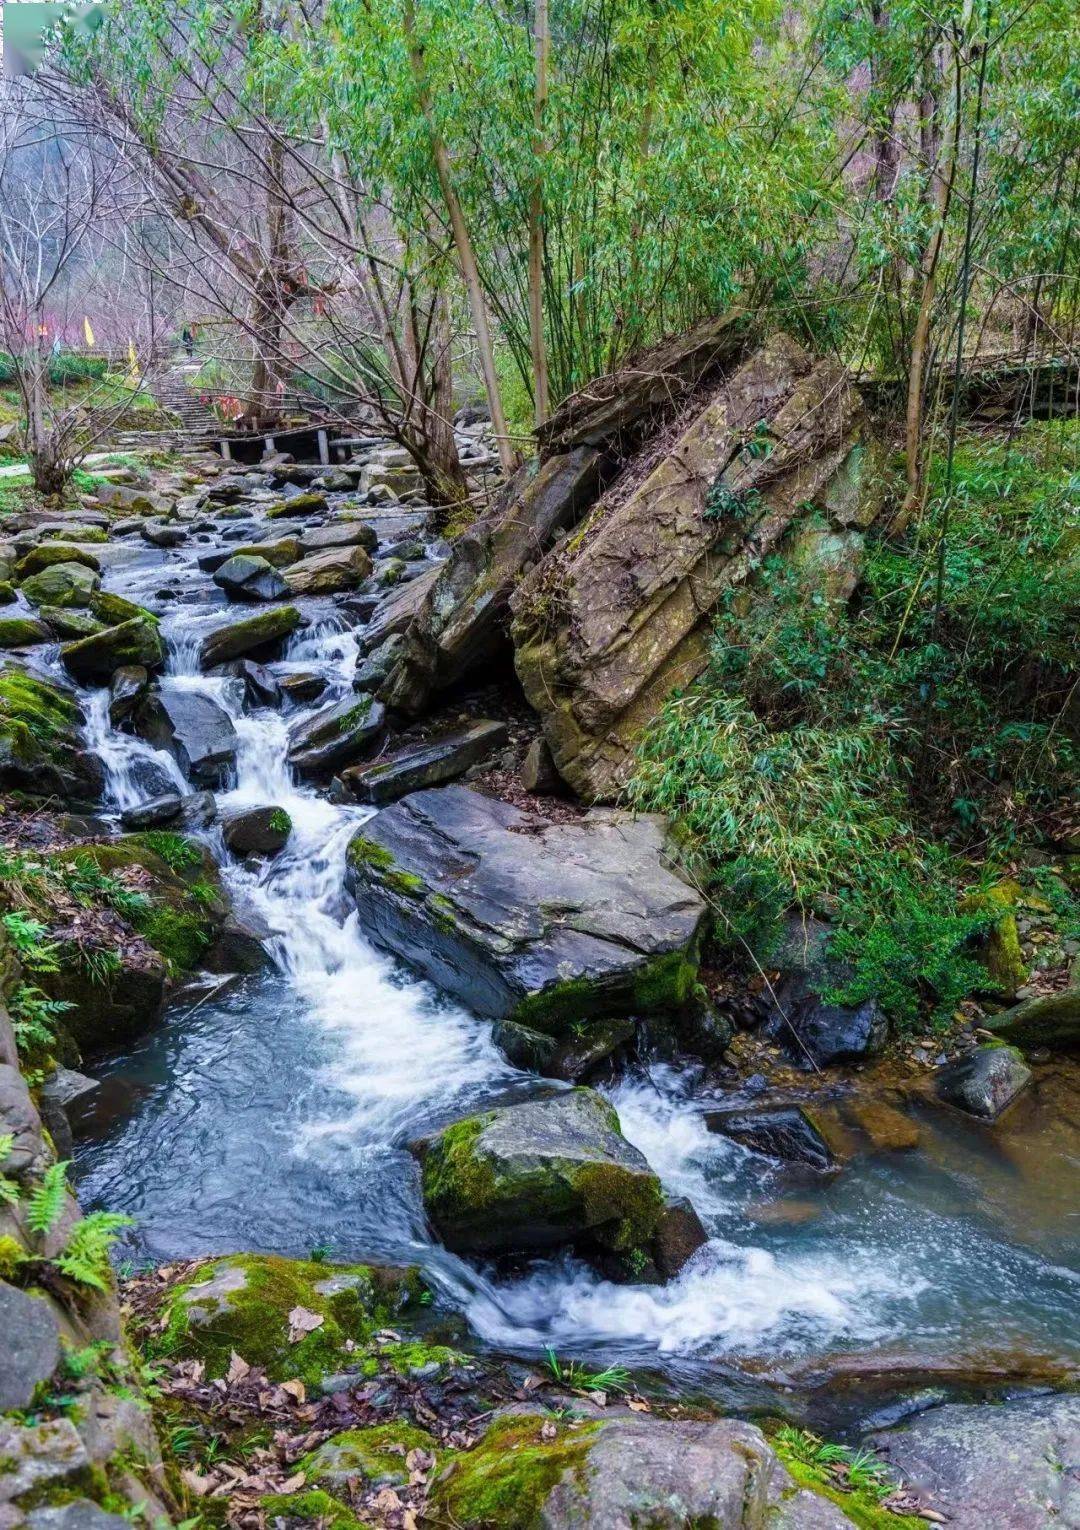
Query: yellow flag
(132, 359)
(88, 334)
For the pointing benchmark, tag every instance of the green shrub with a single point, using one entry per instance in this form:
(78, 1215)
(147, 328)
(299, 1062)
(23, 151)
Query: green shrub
(72, 368)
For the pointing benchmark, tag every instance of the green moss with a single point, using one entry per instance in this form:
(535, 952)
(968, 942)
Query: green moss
(456, 1176)
(368, 1452)
(862, 1508)
(46, 713)
(368, 852)
(637, 1197)
(355, 715)
(665, 982)
(313, 1506)
(114, 609)
(21, 632)
(405, 883)
(507, 1477)
(176, 850)
(180, 937)
(355, 1301)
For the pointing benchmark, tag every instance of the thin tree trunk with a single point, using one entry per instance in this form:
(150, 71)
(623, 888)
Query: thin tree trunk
(462, 244)
(542, 45)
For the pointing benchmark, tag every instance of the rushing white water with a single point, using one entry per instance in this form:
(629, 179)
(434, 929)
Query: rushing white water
(341, 1058)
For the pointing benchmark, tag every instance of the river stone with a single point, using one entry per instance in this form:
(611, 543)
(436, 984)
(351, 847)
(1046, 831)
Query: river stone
(626, 1470)
(798, 1016)
(1049, 1020)
(68, 625)
(261, 688)
(303, 685)
(438, 758)
(253, 635)
(1009, 1466)
(41, 740)
(786, 1133)
(80, 1514)
(49, 553)
(31, 1348)
(95, 659)
(297, 504)
(325, 573)
(244, 577)
(460, 621)
(336, 736)
(523, 919)
(393, 611)
(280, 553)
(342, 534)
(36, 1454)
(154, 813)
(62, 585)
(985, 1081)
(19, 1120)
(257, 831)
(127, 686)
(621, 614)
(194, 729)
(163, 533)
(539, 1175)
(23, 632)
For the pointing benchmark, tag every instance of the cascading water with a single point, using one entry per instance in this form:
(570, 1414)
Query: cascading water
(277, 1117)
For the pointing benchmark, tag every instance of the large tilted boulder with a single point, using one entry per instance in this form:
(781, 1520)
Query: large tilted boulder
(326, 572)
(349, 730)
(194, 729)
(94, 660)
(541, 1175)
(620, 615)
(262, 634)
(41, 745)
(441, 757)
(1048, 1020)
(543, 924)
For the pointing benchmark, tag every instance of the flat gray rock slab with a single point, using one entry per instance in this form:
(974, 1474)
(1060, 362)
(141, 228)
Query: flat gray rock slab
(439, 758)
(1004, 1466)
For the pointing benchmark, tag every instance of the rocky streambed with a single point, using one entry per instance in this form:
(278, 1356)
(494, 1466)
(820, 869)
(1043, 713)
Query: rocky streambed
(395, 1020)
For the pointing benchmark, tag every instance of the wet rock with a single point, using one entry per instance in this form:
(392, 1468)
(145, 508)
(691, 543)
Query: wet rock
(786, 1133)
(114, 609)
(31, 1348)
(41, 740)
(261, 687)
(257, 831)
(339, 534)
(280, 553)
(303, 685)
(126, 688)
(297, 504)
(325, 573)
(56, 1097)
(61, 585)
(244, 577)
(19, 1121)
(94, 660)
(135, 501)
(801, 1018)
(163, 533)
(337, 736)
(378, 664)
(194, 729)
(636, 593)
(541, 1175)
(1048, 1020)
(23, 632)
(460, 620)
(985, 1081)
(49, 553)
(441, 757)
(1012, 1465)
(153, 814)
(396, 609)
(678, 1237)
(258, 635)
(238, 945)
(69, 625)
(626, 1470)
(525, 920)
(79, 1514)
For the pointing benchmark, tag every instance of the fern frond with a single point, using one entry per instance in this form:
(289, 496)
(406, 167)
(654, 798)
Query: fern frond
(46, 1204)
(85, 1257)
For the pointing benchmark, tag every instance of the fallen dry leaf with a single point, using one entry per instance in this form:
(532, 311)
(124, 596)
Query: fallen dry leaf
(637, 1405)
(238, 1368)
(302, 1322)
(548, 1431)
(200, 1486)
(294, 1389)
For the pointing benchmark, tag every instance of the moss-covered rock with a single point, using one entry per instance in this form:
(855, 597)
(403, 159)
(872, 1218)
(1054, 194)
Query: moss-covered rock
(50, 553)
(40, 740)
(23, 632)
(114, 609)
(314, 1507)
(543, 1174)
(95, 659)
(376, 1453)
(61, 584)
(69, 625)
(253, 635)
(508, 1477)
(242, 1304)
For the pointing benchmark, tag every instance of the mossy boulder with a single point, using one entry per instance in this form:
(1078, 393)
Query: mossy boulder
(69, 625)
(94, 660)
(50, 553)
(542, 924)
(61, 584)
(259, 634)
(41, 742)
(1048, 1020)
(324, 573)
(280, 554)
(376, 1454)
(1001, 946)
(298, 504)
(242, 1304)
(543, 1174)
(347, 731)
(114, 609)
(23, 632)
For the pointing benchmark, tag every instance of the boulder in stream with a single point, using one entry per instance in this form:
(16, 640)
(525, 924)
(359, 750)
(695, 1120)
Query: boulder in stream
(325, 573)
(250, 578)
(438, 758)
(126, 688)
(784, 1132)
(545, 924)
(194, 729)
(46, 554)
(257, 831)
(1048, 1020)
(61, 585)
(94, 660)
(985, 1081)
(41, 743)
(23, 632)
(259, 635)
(337, 735)
(543, 1174)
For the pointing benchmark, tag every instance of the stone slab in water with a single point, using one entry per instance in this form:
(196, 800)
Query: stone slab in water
(524, 919)
(1048, 1020)
(786, 1133)
(984, 1082)
(439, 758)
(194, 729)
(1005, 1466)
(336, 736)
(253, 635)
(250, 577)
